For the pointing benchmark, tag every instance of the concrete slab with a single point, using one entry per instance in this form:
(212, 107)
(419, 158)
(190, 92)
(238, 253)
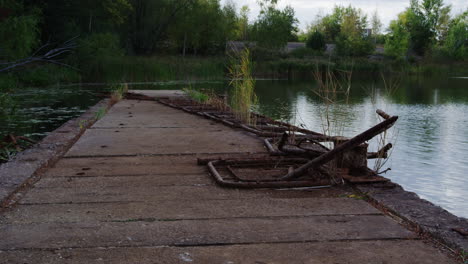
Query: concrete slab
(160, 93)
(141, 114)
(137, 196)
(140, 165)
(147, 193)
(131, 141)
(176, 210)
(349, 252)
(126, 166)
(128, 181)
(199, 232)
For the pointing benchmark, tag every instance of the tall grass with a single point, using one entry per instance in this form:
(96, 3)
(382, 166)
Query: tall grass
(333, 88)
(243, 96)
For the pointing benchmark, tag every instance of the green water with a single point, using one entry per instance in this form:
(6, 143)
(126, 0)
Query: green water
(38, 111)
(430, 138)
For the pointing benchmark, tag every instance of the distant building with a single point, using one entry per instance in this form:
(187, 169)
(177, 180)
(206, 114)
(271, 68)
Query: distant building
(367, 32)
(236, 46)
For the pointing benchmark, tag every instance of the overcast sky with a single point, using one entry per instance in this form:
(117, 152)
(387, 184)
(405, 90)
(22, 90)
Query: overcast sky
(306, 10)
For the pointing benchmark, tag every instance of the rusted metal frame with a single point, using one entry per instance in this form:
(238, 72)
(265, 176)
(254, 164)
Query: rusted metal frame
(233, 174)
(255, 161)
(295, 128)
(310, 134)
(353, 142)
(312, 141)
(260, 184)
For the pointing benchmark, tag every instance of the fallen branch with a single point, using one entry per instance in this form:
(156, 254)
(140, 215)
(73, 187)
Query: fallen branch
(50, 56)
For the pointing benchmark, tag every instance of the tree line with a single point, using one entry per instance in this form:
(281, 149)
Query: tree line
(201, 27)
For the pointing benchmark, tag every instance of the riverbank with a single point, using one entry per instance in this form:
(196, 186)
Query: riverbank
(129, 69)
(83, 194)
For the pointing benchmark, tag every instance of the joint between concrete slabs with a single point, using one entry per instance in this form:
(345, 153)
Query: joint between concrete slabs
(177, 245)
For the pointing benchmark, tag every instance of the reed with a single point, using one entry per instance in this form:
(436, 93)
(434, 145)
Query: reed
(243, 96)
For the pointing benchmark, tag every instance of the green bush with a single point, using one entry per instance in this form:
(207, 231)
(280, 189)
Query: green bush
(316, 41)
(305, 52)
(353, 46)
(20, 35)
(44, 75)
(95, 52)
(456, 44)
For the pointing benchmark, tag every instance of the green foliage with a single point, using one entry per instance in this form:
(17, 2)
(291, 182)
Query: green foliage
(204, 27)
(19, 32)
(100, 113)
(196, 95)
(118, 92)
(274, 27)
(397, 41)
(456, 44)
(316, 41)
(346, 26)
(305, 52)
(422, 21)
(95, 51)
(100, 44)
(353, 46)
(243, 87)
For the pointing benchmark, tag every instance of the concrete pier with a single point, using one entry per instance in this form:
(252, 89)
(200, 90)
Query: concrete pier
(130, 191)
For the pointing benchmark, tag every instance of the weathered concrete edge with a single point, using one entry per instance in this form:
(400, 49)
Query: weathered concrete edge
(421, 215)
(18, 172)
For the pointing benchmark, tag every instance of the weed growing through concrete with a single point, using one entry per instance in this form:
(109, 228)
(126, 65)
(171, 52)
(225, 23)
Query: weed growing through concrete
(196, 95)
(118, 92)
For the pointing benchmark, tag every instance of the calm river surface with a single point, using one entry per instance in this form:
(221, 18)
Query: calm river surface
(430, 155)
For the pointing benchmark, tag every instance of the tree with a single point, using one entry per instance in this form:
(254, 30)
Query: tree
(316, 41)
(376, 25)
(398, 37)
(19, 31)
(151, 20)
(230, 21)
(351, 40)
(274, 27)
(243, 23)
(330, 25)
(456, 44)
(423, 19)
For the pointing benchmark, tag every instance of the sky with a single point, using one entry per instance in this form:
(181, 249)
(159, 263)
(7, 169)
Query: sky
(307, 10)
